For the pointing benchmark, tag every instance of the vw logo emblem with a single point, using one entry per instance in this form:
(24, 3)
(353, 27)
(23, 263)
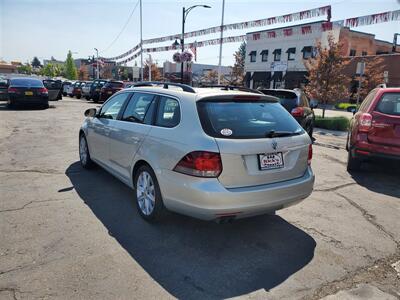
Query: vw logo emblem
(274, 144)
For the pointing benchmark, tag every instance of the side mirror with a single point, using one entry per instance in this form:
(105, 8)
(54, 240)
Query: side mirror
(313, 104)
(91, 112)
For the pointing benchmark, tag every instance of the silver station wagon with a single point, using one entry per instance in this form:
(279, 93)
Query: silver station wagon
(210, 153)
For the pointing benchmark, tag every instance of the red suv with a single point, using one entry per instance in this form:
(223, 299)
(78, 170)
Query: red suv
(375, 128)
(110, 88)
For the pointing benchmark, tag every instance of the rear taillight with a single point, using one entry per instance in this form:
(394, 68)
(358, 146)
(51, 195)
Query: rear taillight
(297, 112)
(365, 122)
(43, 91)
(200, 164)
(309, 154)
(12, 90)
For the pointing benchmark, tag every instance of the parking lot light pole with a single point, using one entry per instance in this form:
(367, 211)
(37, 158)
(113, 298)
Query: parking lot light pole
(97, 63)
(185, 13)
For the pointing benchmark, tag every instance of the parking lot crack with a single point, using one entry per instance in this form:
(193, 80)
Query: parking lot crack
(331, 189)
(370, 218)
(49, 171)
(29, 203)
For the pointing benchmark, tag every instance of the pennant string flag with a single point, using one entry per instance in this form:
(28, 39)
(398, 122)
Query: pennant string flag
(389, 16)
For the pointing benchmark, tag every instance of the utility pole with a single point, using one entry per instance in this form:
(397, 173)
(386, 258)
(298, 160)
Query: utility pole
(97, 63)
(151, 62)
(141, 42)
(360, 71)
(220, 42)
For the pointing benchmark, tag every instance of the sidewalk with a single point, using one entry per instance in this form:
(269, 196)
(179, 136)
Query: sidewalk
(333, 113)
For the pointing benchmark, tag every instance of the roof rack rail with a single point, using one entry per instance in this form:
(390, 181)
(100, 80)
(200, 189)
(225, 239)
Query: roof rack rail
(232, 87)
(184, 87)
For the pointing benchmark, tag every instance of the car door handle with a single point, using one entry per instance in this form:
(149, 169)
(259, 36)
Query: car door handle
(135, 139)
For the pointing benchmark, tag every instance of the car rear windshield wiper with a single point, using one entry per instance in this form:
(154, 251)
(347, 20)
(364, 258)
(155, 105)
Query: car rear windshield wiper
(273, 133)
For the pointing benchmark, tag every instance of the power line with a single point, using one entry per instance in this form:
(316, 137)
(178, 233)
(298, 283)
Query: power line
(123, 28)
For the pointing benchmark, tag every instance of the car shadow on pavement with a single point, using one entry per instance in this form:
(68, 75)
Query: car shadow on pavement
(380, 176)
(191, 258)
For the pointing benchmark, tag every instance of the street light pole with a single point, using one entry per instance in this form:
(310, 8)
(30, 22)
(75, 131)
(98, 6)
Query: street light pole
(185, 13)
(97, 63)
(220, 42)
(141, 42)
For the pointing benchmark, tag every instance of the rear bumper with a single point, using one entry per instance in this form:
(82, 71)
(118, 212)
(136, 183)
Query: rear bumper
(365, 149)
(29, 101)
(208, 199)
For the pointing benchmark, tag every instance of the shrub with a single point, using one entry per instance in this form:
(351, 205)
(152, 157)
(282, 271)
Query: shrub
(332, 123)
(343, 105)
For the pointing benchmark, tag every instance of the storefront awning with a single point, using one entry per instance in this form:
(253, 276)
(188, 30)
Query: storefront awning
(277, 76)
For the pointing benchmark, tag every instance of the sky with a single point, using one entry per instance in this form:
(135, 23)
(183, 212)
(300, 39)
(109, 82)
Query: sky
(46, 28)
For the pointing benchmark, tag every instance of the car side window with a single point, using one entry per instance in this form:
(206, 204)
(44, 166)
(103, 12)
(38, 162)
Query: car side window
(367, 100)
(168, 114)
(138, 107)
(304, 100)
(111, 108)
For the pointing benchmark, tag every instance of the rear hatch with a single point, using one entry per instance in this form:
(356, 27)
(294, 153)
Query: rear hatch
(386, 121)
(259, 141)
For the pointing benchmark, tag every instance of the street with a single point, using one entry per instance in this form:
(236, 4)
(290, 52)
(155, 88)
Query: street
(70, 233)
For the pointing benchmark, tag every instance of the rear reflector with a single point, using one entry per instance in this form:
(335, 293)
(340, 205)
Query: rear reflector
(362, 152)
(310, 153)
(365, 122)
(200, 164)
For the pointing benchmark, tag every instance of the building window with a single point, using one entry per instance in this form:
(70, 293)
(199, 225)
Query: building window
(291, 53)
(264, 55)
(353, 52)
(364, 53)
(277, 54)
(253, 55)
(307, 52)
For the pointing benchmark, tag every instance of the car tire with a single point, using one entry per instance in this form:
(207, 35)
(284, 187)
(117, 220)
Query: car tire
(78, 97)
(147, 194)
(353, 163)
(87, 98)
(45, 106)
(64, 94)
(84, 155)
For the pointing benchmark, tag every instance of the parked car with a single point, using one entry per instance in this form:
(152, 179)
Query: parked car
(77, 90)
(27, 91)
(54, 88)
(3, 89)
(375, 128)
(110, 88)
(95, 89)
(191, 152)
(296, 103)
(86, 89)
(65, 86)
(70, 89)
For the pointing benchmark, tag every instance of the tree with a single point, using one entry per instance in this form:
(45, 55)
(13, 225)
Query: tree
(36, 62)
(373, 76)
(238, 67)
(327, 83)
(83, 73)
(70, 68)
(155, 72)
(48, 70)
(25, 69)
(211, 77)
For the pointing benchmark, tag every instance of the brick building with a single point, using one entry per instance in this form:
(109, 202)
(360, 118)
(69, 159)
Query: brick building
(278, 62)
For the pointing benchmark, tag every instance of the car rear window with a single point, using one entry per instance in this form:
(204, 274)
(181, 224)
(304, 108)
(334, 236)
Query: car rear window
(26, 82)
(389, 104)
(286, 98)
(114, 84)
(246, 119)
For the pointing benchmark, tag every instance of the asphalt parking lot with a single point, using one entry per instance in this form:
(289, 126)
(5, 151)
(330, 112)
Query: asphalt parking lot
(69, 233)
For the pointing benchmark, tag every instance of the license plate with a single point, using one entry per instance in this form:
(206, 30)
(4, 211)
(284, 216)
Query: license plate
(269, 161)
(28, 93)
(97, 90)
(109, 93)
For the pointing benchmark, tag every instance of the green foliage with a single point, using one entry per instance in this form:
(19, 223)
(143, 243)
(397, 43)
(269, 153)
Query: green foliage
(332, 123)
(36, 62)
(25, 69)
(70, 68)
(238, 68)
